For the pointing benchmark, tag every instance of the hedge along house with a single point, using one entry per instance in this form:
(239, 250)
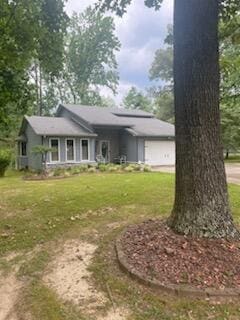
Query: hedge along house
(86, 135)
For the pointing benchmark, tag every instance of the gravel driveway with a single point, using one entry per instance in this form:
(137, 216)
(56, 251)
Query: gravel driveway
(232, 170)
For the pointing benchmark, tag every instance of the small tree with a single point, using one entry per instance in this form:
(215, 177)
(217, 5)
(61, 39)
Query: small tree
(5, 160)
(43, 152)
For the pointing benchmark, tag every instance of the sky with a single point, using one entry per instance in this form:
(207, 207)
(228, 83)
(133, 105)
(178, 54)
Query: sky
(141, 32)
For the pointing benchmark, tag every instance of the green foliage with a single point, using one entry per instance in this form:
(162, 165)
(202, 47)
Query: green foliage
(57, 172)
(162, 66)
(137, 100)
(230, 115)
(5, 160)
(92, 170)
(40, 149)
(90, 57)
(147, 168)
(120, 6)
(30, 29)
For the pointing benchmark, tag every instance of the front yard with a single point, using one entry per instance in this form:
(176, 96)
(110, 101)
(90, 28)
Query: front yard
(41, 220)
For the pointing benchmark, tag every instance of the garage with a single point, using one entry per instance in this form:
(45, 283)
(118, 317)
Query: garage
(159, 152)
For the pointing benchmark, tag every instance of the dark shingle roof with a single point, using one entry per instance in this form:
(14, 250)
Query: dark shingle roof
(56, 126)
(136, 122)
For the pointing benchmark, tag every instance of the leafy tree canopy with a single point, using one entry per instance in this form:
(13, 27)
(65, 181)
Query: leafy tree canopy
(29, 29)
(90, 57)
(137, 100)
(228, 7)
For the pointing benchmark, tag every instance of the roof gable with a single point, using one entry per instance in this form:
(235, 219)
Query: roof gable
(136, 122)
(55, 126)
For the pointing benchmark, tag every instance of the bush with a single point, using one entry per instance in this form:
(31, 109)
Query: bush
(114, 168)
(75, 170)
(92, 170)
(147, 168)
(84, 168)
(57, 172)
(129, 168)
(136, 167)
(102, 167)
(5, 160)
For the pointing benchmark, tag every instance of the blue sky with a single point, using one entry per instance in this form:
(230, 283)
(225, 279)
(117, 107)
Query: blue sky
(141, 32)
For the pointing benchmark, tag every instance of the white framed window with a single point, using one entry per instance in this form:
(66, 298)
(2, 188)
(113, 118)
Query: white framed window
(70, 150)
(85, 149)
(23, 149)
(54, 156)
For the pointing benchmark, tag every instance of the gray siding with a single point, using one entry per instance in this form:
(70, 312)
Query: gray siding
(129, 147)
(34, 160)
(141, 149)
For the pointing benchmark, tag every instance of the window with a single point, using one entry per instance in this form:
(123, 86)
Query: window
(85, 149)
(54, 155)
(70, 149)
(23, 149)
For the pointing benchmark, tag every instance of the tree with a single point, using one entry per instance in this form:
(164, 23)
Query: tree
(230, 115)
(49, 53)
(137, 100)
(201, 205)
(90, 57)
(31, 30)
(162, 66)
(43, 152)
(163, 101)
(162, 69)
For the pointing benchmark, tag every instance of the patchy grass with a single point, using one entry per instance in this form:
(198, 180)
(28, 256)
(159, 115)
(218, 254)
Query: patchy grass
(45, 305)
(233, 158)
(39, 214)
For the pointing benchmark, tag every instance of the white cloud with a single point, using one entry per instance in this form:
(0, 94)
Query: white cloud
(122, 91)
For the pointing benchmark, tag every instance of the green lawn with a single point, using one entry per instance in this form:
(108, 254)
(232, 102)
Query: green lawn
(233, 158)
(35, 214)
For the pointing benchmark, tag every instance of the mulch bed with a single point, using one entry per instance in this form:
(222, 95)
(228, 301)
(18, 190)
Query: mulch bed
(157, 252)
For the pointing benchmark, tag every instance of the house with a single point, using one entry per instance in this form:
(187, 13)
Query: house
(83, 134)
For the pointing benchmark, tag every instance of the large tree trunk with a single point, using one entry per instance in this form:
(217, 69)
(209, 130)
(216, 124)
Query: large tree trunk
(201, 202)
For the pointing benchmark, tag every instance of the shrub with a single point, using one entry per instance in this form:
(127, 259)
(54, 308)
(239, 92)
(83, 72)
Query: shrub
(58, 172)
(113, 168)
(83, 168)
(5, 160)
(147, 168)
(75, 170)
(129, 169)
(92, 170)
(102, 167)
(136, 167)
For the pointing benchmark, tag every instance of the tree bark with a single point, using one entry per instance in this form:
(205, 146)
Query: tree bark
(201, 205)
(37, 88)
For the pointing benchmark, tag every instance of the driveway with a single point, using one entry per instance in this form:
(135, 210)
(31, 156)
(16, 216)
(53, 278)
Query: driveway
(232, 170)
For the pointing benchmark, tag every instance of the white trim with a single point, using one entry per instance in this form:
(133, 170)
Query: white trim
(82, 160)
(74, 150)
(50, 153)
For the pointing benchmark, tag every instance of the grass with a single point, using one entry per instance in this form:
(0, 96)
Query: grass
(33, 215)
(233, 158)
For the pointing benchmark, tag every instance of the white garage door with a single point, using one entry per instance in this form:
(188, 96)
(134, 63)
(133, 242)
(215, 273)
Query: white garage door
(159, 152)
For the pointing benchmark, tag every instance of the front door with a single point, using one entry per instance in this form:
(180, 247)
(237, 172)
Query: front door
(105, 150)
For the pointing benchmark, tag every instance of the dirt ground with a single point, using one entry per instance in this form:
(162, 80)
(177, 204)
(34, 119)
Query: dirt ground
(68, 275)
(232, 170)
